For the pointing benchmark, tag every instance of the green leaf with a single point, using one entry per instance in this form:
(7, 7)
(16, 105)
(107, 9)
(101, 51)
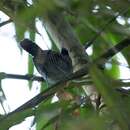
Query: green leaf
(19, 32)
(89, 120)
(43, 86)
(30, 69)
(7, 121)
(113, 71)
(44, 113)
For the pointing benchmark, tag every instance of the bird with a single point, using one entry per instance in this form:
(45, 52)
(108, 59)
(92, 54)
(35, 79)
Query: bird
(53, 66)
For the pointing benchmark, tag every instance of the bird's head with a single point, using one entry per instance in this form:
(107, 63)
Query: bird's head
(29, 46)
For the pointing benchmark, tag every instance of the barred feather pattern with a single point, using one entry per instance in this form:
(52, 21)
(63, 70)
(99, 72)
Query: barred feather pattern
(53, 66)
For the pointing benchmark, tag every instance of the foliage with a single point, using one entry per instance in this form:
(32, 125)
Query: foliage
(74, 109)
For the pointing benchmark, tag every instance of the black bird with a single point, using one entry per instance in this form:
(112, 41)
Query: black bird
(53, 66)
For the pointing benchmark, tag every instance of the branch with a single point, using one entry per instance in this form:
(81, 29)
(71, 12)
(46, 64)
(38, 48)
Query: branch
(63, 35)
(112, 51)
(124, 92)
(5, 22)
(22, 77)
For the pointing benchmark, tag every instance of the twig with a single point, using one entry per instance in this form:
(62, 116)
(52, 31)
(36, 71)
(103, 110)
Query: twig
(5, 22)
(22, 77)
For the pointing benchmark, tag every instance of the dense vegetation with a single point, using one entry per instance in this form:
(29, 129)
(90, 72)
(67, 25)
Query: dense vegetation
(93, 98)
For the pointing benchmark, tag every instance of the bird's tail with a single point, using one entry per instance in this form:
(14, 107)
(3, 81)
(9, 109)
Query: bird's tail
(30, 47)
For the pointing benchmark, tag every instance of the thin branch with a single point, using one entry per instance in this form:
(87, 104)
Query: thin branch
(76, 82)
(5, 22)
(124, 92)
(22, 77)
(113, 51)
